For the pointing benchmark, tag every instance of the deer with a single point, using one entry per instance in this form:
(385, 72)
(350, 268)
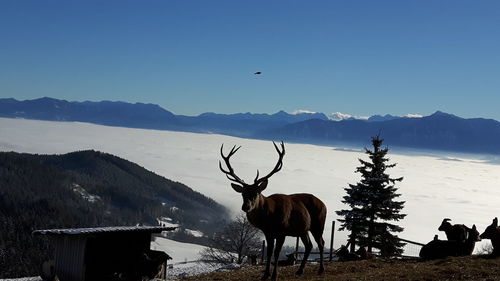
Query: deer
(457, 232)
(290, 260)
(344, 254)
(437, 249)
(492, 232)
(279, 215)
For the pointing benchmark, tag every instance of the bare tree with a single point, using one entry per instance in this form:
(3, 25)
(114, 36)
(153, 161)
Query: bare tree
(237, 240)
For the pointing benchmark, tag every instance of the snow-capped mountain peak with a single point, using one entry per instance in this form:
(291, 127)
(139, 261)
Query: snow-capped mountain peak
(339, 116)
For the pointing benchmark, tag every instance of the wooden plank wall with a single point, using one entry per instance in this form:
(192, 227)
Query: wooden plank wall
(69, 258)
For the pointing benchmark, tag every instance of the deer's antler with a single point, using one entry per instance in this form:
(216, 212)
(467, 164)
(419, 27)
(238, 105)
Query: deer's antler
(278, 166)
(230, 172)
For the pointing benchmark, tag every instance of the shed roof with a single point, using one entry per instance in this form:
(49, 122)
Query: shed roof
(98, 230)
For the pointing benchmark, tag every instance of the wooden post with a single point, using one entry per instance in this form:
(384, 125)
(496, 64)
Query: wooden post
(297, 249)
(331, 240)
(165, 266)
(263, 250)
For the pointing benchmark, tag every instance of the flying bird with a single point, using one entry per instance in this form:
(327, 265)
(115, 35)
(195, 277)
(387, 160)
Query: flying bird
(257, 73)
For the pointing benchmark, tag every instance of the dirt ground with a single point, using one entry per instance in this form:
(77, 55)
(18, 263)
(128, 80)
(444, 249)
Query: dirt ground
(459, 268)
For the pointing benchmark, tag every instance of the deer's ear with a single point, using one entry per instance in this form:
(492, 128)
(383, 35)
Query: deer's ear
(495, 222)
(238, 188)
(262, 186)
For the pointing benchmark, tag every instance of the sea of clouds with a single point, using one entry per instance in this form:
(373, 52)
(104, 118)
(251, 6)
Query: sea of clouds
(465, 189)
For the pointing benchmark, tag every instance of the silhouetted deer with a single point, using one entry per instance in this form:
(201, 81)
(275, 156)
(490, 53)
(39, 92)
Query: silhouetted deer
(290, 260)
(363, 254)
(492, 232)
(360, 254)
(437, 249)
(344, 254)
(279, 215)
(457, 232)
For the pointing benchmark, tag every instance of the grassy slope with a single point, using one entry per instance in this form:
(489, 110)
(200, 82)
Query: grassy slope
(461, 268)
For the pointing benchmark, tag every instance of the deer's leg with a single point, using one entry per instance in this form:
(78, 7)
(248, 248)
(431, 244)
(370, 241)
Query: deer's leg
(270, 247)
(321, 247)
(308, 247)
(277, 250)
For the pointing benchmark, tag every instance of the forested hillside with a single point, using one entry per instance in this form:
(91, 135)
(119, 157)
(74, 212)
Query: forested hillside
(85, 189)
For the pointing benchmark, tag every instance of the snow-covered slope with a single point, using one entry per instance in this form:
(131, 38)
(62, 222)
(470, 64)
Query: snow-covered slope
(465, 189)
(180, 252)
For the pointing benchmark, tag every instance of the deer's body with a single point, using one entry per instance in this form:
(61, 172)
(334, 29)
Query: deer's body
(437, 249)
(280, 215)
(288, 215)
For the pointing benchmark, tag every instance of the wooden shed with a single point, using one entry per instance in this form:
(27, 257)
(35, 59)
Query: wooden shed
(104, 253)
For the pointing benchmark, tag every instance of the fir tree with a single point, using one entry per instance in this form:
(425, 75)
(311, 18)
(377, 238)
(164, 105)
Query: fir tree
(373, 206)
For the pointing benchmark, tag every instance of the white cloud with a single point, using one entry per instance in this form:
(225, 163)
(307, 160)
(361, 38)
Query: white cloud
(413, 115)
(303, 111)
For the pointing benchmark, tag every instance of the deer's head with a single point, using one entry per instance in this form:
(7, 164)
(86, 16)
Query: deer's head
(445, 225)
(249, 192)
(491, 231)
(473, 234)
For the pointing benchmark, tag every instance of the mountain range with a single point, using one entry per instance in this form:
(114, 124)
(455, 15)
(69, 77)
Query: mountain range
(439, 131)
(147, 116)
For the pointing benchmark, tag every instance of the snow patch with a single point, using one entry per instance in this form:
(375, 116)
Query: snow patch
(84, 194)
(180, 252)
(195, 233)
(196, 268)
(166, 221)
(339, 116)
(229, 267)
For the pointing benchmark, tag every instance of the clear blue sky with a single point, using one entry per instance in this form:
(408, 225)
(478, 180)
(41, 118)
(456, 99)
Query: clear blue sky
(358, 57)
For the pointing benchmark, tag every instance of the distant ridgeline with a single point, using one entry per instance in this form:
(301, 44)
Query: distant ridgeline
(146, 116)
(439, 131)
(85, 189)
